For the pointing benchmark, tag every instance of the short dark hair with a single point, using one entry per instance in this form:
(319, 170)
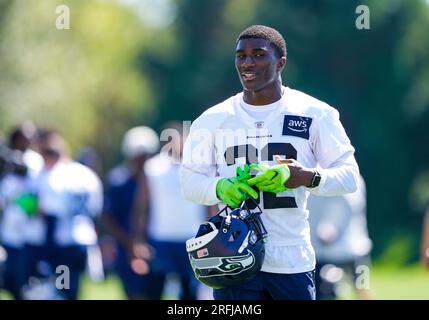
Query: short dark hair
(26, 130)
(267, 33)
(54, 141)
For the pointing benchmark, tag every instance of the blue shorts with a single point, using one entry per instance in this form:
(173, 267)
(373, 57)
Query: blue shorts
(272, 286)
(134, 285)
(170, 257)
(73, 256)
(15, 274)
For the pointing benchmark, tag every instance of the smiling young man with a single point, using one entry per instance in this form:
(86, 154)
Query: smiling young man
(295, 144)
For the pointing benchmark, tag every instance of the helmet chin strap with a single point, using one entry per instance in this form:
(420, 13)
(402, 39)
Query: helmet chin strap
(254, 218)
(227, 223)
(244, 206)
(245, 243)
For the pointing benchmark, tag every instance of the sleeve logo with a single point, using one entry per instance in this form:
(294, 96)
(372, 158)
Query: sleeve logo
(296, 126)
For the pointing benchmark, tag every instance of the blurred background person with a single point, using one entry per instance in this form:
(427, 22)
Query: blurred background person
(340, 238)
(96, 265)
(89, 157)
(425, 240)
(19, 224)
(126, 190)
(171, 221)
(70, 198)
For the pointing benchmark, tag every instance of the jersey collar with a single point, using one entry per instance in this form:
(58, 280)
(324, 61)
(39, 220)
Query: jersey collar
(274, 115)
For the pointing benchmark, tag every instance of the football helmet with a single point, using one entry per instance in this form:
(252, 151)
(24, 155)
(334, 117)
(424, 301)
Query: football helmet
(139, 141)
(229, 249)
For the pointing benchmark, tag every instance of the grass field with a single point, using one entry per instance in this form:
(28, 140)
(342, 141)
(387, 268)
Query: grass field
(398, 283)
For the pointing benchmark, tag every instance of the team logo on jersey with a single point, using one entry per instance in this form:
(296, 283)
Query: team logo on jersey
(259, 124)
(297, 126)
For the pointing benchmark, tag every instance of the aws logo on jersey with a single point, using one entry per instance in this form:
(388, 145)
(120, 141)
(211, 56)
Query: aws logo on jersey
(297, 126)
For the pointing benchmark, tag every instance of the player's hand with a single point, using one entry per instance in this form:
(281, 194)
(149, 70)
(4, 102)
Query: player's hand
(140, 255)
(299, 175)
(272, 179)
(28, 203)
(233, 191)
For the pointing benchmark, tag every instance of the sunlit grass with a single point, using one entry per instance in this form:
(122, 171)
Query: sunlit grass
(110, 289)
(400, 283)
(386, 282)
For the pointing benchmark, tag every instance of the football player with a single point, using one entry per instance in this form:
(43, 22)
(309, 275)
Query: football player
(70, 198)
(339, 234)
(167, 232)
(20, 227)
(284, 134)
(126, 193)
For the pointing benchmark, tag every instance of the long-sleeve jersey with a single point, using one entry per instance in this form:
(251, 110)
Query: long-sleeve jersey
(297, 126)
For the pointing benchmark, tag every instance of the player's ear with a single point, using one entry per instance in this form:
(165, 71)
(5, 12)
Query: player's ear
(281, 64)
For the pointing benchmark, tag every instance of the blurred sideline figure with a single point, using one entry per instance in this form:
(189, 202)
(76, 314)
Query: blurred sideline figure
(126, 191)
(70, 198)
(425, 240)
(106, 251)
(90, 158)
(171, 220)
(19, 226)
(96, 264)
(340, 238)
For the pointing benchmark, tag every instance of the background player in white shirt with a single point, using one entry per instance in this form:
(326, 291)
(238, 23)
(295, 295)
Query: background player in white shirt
(339, 235)
(171, 220)
(70, 198)
(265, 120)
(20, 226)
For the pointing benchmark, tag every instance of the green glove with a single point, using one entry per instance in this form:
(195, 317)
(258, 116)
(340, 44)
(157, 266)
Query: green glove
(243, 174)
(272, 179)
(233, 191)
(28, 203)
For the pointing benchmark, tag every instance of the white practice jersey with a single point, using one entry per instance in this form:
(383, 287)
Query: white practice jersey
(300, 127)
(172, 218)
(73, 194)
(339, 231)
(17, 228)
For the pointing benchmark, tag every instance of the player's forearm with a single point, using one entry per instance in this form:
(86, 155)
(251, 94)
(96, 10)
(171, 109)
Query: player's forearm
(139, 232)
(140, 212)
(115, 230)
(197, 186)
(339, 179)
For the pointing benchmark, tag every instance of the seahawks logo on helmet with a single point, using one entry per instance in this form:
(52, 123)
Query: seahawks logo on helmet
(225, 265)
(229, 249)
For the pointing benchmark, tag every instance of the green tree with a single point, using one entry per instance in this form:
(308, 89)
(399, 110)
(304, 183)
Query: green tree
(82, 81)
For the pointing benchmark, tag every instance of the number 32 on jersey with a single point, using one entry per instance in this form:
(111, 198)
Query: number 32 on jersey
(250, 153)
